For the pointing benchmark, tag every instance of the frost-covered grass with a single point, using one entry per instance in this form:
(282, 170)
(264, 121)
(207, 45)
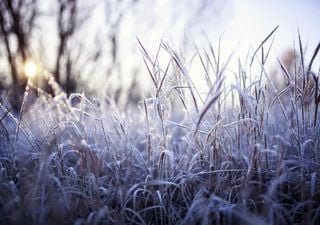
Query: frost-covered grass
(246, 154)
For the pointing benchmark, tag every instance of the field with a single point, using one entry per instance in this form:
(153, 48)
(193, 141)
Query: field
(244, 154)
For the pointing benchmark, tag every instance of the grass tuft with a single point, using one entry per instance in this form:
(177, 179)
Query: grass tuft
(246, 153)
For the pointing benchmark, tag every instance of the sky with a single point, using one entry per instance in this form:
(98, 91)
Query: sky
(252, 20)
(184, 24)
(241, 24)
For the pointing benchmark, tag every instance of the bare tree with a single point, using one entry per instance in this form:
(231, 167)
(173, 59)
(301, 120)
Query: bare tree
(17, 19)
(67, 24)
(115, 12)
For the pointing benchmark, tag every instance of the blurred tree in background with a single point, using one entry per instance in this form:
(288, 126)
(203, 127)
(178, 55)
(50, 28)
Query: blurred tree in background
(84, 44)
(19, 21)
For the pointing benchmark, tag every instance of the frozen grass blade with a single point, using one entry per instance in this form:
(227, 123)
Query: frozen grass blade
(262, 43)
(315, 53)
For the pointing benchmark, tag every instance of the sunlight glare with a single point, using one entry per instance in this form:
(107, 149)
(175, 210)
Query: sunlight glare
(30, 69)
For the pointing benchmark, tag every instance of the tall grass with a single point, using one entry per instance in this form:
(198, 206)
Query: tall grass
(245, 154)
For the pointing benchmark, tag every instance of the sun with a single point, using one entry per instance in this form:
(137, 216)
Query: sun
(31, 69)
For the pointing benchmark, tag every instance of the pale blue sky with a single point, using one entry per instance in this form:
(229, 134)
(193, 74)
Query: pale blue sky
(251, 21)
(242, 24)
